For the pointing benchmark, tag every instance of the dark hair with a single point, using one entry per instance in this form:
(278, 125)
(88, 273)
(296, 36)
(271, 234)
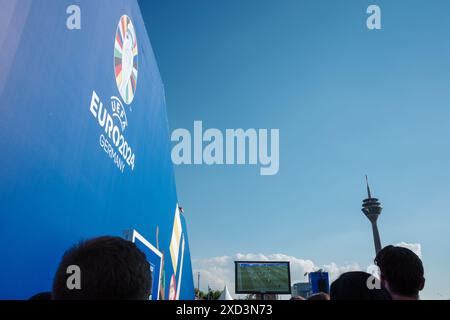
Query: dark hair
(402, 269)
(353, 286)
(297, 298)
(42, 296)
(319, 297)
(111, 269)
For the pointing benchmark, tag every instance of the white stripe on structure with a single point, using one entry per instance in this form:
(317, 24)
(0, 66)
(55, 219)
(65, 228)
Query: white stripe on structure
(181, 270)
(175, 241)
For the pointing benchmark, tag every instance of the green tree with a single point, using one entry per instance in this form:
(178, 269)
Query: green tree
(211, 295)
(214, 294)
(200, 294)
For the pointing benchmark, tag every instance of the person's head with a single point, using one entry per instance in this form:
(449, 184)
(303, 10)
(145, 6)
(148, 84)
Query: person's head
(297, 298)
(111, 268)
(318, 297)
(401, 272)
(354, 286)
(42, 296)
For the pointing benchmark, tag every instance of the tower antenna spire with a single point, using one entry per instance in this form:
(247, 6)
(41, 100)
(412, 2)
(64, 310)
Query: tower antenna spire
(368, 188)
(372, 208)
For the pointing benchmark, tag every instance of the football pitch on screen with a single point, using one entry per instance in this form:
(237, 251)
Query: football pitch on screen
(263, 278)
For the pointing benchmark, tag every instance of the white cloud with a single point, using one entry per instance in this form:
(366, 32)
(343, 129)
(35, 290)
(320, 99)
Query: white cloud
(335, 271)
(219, 271)
(414, 247)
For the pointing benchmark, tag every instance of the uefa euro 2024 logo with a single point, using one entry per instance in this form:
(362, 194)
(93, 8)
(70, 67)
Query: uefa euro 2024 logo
(114, 123)
(126, 59)
(125, 67)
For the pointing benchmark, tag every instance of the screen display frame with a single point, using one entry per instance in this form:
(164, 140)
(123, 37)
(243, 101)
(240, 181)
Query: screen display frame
(241, 291)
(154, 258)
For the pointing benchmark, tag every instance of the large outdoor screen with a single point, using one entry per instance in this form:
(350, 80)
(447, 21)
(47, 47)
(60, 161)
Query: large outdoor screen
(263, 277)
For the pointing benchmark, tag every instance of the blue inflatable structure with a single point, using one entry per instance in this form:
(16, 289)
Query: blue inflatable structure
(84, 143)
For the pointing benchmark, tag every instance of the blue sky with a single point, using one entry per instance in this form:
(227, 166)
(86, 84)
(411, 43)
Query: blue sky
(348, 102)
